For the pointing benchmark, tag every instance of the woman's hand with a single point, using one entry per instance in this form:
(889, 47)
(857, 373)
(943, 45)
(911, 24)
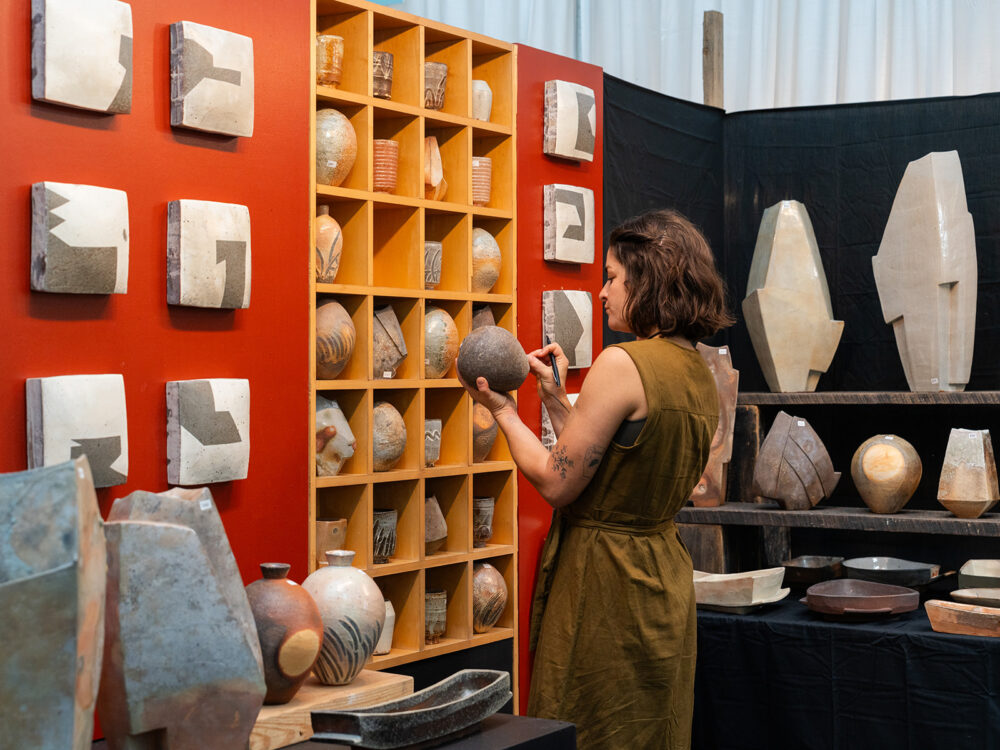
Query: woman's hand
(496, 402)
(541, 368)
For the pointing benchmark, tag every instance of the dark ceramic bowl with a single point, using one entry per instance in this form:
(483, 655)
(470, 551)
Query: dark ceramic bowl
(806, 570)
(891, 570)
(852, 597)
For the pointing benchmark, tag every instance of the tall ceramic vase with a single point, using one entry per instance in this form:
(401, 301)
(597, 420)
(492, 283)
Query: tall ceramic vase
(290, 630)
(353, 613)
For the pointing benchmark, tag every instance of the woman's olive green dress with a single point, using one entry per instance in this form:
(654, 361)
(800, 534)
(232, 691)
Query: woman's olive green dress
(614, 609)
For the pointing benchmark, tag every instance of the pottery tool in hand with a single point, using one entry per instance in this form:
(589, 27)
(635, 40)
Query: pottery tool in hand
(552, 361)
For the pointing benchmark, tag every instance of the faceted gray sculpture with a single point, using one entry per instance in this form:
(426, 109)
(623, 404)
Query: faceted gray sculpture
(926, 274)
(52, 585)
(787, 307)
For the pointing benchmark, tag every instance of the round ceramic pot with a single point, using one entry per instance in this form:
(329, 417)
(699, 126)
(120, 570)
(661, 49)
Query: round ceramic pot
(432, 264)
(384, 534)
(388, 435)
(330, 535)
(329, 59)
(482, 100)
(384, 645)
(489, 597)
(435, 78)
(486, 260)
(335, 337)
(336, 147)
(484, 432)
(482, 180)
(382, 74)
(482, 520)
(435, 614)
(886, 471)
(432, 441)
(290, 630)
(493, 353)
(353, 613)
(385, 161)
(329, 246)
(388, 344)
(440, 342)
(435, 527)
(335, 441)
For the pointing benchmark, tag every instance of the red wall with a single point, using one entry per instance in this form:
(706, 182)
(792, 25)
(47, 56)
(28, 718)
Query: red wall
(534, 275)
(138, 334)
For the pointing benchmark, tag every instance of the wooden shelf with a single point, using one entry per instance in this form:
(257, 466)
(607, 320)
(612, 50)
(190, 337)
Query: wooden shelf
(971, 398)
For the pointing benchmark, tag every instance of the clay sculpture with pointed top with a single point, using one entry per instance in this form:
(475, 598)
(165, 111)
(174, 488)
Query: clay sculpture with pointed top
(793, 467)
(886, 471)
(968, 485)
(493, 353)
(711, 488)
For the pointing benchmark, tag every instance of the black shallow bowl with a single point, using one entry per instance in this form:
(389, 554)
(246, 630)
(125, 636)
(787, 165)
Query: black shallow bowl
(891, 570)
(805, 570)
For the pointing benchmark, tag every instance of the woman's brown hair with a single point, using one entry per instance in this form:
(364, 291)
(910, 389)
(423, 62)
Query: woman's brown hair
(673, 286)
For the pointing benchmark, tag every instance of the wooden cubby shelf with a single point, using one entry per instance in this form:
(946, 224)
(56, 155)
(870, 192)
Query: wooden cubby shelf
(382, 263)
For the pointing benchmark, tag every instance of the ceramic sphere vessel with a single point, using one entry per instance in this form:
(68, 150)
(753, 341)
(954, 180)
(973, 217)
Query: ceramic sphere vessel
(353, 613)
(388, 435)
(440, 342)
(486, 260)
(493, 353)
(290, 630)
(484, 432)
(329, 246)
(489, 597)
(336, 147)
(335, 338)
(886, 471)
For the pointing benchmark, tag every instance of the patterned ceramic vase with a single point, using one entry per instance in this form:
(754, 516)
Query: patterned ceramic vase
(484, 432)
(335, 337)
(482, 100)
(330, 535)
(435, 78)
(388, 435)
(489, 597)
(482, 520)
(385, 160)
(432, 441)
(440, 342)
(336, 147)
(486, 260)
(435, 527)
(435, 614)
(482, 180)
(382, 74)
(335, 441)
(384, 645)
(329, 245)
(290, 630)
(432, 264)
(384, 534)
(388, 344)
(353, 613)
(329, 59)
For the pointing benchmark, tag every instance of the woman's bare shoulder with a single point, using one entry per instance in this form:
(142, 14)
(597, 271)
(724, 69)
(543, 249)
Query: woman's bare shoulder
(614, 378)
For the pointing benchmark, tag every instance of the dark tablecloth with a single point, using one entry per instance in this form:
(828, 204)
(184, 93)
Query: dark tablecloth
(786, 678)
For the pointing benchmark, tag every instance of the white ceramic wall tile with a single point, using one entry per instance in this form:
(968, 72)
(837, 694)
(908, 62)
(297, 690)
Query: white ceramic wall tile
(208, 430)
(567, 318)
(548, 435)
(569, 224)
(570, 128)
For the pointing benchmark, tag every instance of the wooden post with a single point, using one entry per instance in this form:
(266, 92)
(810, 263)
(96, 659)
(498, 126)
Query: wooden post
(711, 59)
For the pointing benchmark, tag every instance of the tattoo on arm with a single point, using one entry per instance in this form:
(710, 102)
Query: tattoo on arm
(591, 460)
(561, 463)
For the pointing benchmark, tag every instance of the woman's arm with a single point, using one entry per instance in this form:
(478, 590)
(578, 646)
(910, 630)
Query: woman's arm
(552, 396)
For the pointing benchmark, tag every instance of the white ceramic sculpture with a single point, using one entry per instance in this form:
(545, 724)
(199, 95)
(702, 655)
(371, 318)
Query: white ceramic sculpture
(335, 441)
(968, 485)
(567, 318)
(482, 100)
(570, 128)
(711, 488)
(569, 224)
(208, 254)
(79, 239)
(208, 430)
(926, 274)
(384, 645)
(787, 306)
(74, 415)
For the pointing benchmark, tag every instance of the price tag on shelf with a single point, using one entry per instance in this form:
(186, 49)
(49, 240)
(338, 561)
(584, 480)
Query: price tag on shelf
(205, 504)
(801, 423)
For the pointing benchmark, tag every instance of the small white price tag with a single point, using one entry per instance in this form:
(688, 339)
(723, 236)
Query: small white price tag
(331, 164)
(79, 472)
(801, 423)
(888, 437)
(427, 361)
(205, 504)
(974, 434)
(722, 350)
(934, 381)
(387, 374)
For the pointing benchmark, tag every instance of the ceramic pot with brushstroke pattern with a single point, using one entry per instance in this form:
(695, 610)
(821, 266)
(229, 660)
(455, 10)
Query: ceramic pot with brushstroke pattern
(489, 597)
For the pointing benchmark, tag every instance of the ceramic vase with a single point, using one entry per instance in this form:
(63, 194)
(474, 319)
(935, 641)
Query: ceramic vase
(382, 74)
(329, 245)
(335, 337)
(886, 471)
(484, 432)
(336, 147)
(385, 161)
(440, 342)
(486, 260)
(435, 78)
(388, 344)
(482, 316)
(330, 535)
(482, 100)
(388, 436)
(432, 441)
(335, 441)
(432, 264)
(968, 483)
(435, 526)
(489, 597)
(353, 613)
(329, 59)
(435, 614)
(290, 630)
(384, 645)
(384, 534)
(482, 180)
(435, 185)
(482, 520)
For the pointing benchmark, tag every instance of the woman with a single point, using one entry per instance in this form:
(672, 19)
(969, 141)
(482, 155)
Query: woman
(614, 609)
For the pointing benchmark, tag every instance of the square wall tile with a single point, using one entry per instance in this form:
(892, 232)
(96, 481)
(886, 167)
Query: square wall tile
(569, 224)
(208, 430)
(567, 318)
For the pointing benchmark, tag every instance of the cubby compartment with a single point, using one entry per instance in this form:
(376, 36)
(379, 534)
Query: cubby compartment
(453, 51)
(358, 308)
(353, 503)
(502, 312)
(454, 144)
(452, 493)
(503, 232)
(500, 150)
(457, 581)
(404, 498)
(360, 117)
(356, 406)
(452, 407)
(354, 218)
(500, 486)
(354, 25)
(407, 310)
(461, 313)
(405, 593)
(398, 247)
(407, 403)
(405, 130)
(494, 66)
(505, 566)
(454, 232)
(402, 40)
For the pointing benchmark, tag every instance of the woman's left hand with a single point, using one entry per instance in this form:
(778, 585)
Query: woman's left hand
(496, 402)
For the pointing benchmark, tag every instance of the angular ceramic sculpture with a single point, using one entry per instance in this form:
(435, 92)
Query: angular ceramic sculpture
(388, 436)
(329, 59)
(926, 274)
(711, 488)
(79, 239)
(548, 435)
(435, 614)
(432, 441)
(336, 147)
(289, 628)
(482, 315)
(568, 320)
(489, 596)
(385, 165)
(177, 656)
(211, 79)
(75, 415)
(968, 484)
(744, 589)
(787, 306)
(335, 441)
(329, 245)
(793, 467)
(208, 430)
(384, 645)
(570, 128)
(486, 260)
(963, 619)
(568, 224)
(81, 53)
(382, 63)
(432, 264)
(484, 432)
(440, 342)
(52, 587)
(384, 522)
(353, 612)
(493, 353)
(208, 254)
(482, 180)
(435, 185)
(482, 520)
(388, 346)
(482, 100)
(330, 535)
(435, 526)
(886, 471)
(435, 80)
(335, 337)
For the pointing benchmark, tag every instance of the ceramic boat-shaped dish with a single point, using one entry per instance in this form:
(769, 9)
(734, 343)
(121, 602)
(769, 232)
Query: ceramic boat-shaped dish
(737, 589)
(782, 593)
(980, 597)
(963, 619)
(979, 574)
(451, 708)
(806, 570)
(891, 570)
(850, 596)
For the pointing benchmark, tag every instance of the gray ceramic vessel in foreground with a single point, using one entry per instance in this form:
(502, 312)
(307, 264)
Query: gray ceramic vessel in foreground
(452, 707)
